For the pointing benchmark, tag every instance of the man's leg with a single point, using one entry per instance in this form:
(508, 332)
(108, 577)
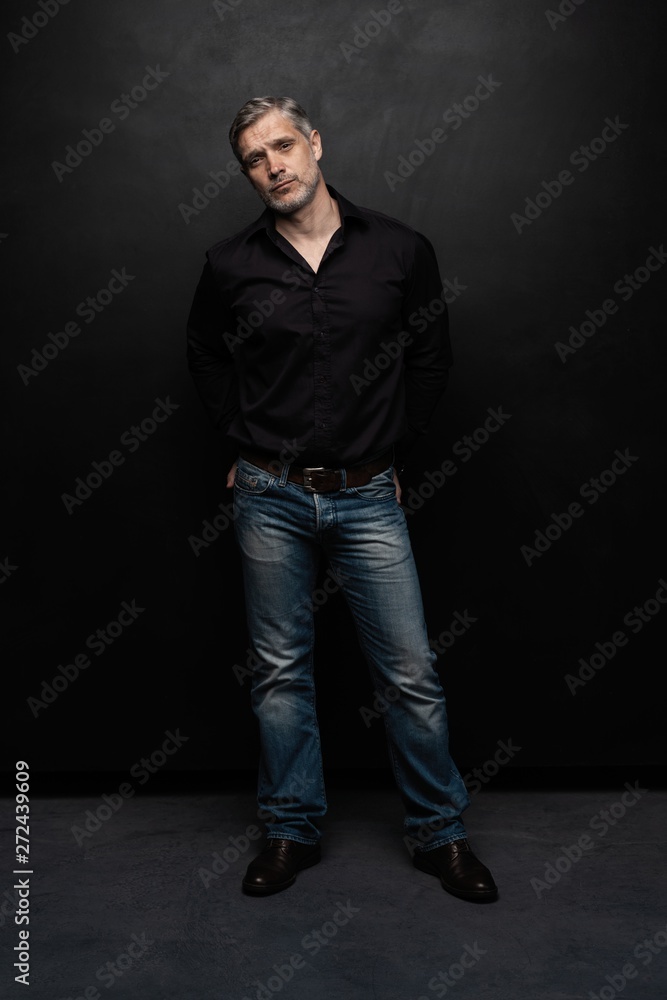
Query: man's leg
(273, 526)
(369, 547)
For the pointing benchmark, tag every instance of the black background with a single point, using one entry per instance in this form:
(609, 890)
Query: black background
(66, 574)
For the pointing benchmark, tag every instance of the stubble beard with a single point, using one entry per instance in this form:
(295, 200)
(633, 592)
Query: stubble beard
(288, 203)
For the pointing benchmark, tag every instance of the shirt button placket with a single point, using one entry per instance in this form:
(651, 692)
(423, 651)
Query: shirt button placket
(321, 370)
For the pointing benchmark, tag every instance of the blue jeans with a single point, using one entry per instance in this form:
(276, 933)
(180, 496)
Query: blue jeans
(281, 529)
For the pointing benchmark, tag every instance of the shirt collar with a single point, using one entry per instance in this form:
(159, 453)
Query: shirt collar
(266, 221)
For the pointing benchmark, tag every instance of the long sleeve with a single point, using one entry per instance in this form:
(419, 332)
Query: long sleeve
(428, 355)
(209, 359)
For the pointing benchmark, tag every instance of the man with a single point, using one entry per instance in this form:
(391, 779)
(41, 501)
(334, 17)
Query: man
(309, 350)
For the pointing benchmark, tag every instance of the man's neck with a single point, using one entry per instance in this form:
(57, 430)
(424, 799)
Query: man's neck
(312, 223)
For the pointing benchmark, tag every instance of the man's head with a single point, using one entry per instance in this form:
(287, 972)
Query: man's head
(278, 150)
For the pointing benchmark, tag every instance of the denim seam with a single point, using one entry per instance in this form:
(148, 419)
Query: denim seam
(291, 836)
(440, 843)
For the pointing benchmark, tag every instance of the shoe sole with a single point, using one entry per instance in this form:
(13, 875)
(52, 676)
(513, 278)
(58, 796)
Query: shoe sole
(486, 896)
(267, 890)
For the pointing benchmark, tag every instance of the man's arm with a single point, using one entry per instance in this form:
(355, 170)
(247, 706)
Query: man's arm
(209, 359)
(428, 356)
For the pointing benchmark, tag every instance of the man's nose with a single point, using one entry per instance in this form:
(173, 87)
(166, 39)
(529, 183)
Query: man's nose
(274, 165)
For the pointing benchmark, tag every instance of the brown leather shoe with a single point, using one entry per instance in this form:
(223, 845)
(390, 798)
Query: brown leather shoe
(275, 868)
(459, 871)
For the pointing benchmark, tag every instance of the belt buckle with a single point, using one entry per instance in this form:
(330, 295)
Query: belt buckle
(307, 477)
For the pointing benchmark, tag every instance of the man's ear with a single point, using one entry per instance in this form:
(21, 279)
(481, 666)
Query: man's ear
(316, 143)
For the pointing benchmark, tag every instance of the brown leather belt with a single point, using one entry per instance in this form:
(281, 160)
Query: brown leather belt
(318, 479)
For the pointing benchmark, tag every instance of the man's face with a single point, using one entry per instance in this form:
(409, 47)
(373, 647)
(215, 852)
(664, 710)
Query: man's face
(280, 163)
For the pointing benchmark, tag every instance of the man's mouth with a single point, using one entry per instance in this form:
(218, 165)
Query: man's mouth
(282, 184)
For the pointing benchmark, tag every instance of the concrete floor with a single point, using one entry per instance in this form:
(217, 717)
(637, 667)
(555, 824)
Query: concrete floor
(149, 904)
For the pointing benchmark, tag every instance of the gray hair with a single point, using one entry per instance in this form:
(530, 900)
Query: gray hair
(255, 108)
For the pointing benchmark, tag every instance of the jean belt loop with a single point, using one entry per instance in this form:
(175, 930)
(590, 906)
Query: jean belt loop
(283, 476)
(343, 480)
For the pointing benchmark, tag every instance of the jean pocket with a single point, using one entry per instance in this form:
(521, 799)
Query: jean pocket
(251, 479)
(380, 487)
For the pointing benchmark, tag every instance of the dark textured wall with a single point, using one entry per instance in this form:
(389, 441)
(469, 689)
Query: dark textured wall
(543, 196)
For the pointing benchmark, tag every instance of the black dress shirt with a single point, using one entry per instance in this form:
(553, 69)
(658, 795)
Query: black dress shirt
(321, 368)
